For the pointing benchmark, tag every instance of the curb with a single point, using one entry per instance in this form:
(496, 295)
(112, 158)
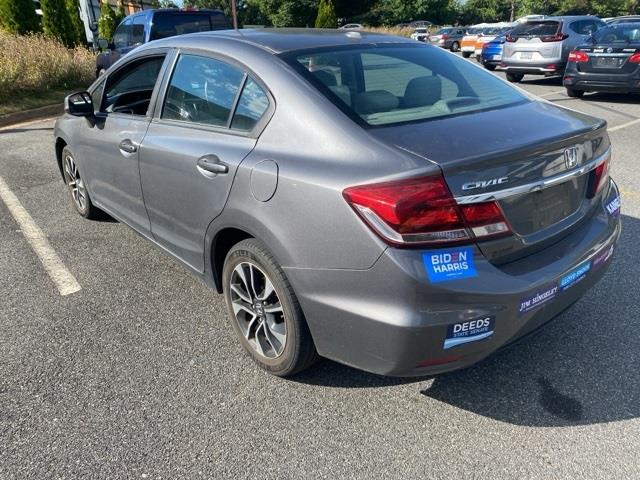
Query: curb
(33, 114)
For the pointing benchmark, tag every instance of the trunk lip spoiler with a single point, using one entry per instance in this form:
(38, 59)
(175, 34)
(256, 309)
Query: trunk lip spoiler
(534, 186)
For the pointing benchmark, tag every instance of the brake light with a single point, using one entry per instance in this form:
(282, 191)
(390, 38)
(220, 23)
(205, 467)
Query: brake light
(599, 177)
(635, 58)
(444, 36)
(510, 38)
(419, 211)
(558, 37)
(578, 57)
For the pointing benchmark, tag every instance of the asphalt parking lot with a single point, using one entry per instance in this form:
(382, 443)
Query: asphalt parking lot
(138, 374)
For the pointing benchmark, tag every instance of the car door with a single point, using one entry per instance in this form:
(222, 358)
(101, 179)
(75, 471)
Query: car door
(206, 125)
(110, 142)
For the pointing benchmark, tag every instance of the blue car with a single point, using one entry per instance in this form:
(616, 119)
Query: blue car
(491, 55)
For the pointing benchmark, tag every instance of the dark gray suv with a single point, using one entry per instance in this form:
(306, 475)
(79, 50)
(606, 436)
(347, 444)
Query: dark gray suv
(319, 181)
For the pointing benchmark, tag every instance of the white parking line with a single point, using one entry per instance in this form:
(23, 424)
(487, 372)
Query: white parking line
(548, 94)
(624, 125)
(63, 278)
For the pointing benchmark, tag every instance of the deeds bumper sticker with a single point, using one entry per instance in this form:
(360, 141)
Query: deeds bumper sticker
(470, 331)
(448, 265)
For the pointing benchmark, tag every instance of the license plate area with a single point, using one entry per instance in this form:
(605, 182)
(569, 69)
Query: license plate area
(533, 212)
(526, 55)
(608, 62)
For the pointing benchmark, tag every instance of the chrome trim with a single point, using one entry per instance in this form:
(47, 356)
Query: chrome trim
(535, 186)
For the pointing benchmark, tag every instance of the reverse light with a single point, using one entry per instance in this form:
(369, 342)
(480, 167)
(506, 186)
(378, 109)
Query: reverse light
(578, 56)
(635, 58)
(422, 210)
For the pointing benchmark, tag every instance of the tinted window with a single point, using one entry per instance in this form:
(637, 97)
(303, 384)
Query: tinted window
(96, 96)
(129, 89)
(536, 29)
(202, 90)
(219, 22)
(584, 27)
(137, 30)
(169, 24)
(443, 30)
(402, 83)
(121, 35)
(625, 33)
(251, 106)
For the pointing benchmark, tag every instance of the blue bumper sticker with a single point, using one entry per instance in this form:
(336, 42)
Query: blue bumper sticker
(448, 265)
(613, 207)
(537, 299)
(575, 275)
(470, 331)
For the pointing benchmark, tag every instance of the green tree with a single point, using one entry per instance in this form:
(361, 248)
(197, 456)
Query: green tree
(107, 21)
(120, 13)
(326, 15)
(56, 22)
(18, 16)
(73, 6)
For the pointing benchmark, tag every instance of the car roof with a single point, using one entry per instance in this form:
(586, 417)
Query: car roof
(280, 40)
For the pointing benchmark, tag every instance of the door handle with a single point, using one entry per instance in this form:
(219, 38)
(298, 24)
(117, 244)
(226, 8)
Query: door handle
(211, 164)
(128, 146)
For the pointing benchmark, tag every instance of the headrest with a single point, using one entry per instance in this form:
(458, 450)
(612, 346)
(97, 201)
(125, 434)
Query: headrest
(375, 101)
(422, 91)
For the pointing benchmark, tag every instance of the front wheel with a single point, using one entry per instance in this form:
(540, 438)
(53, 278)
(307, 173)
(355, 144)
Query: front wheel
(515, 77)
(76, 186)
(455, 46)
(264, 310)
(466, 54)
(574, 93)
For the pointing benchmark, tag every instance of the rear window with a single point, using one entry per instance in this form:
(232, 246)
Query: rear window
(396, 84)
(169, 24)
(619, 34)
(535, 29)
(444, 30)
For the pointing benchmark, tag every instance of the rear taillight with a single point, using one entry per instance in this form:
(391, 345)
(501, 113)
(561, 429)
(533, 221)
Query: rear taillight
(599, 178)
(420, 211)
(510, 38)
(444, 36)
(558, 37)
(635, 58)
(578, 57)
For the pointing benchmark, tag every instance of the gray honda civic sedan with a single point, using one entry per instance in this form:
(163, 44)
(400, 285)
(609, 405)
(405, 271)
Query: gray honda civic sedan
(320, 181)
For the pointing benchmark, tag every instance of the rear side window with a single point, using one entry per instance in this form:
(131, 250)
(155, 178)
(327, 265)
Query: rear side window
(584, 27)
(536, 29)
(251, 107)
(169, 24)
(389, 85)
(202, 90)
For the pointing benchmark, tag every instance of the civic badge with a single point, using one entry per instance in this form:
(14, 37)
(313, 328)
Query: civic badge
(571, 157)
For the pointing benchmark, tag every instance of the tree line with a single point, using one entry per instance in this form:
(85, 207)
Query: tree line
(61, 18)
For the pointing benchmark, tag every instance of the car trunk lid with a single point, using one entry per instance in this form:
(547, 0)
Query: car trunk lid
(609, 59)
(521, 164)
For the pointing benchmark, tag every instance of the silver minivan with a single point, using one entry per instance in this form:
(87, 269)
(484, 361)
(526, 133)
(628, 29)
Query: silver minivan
(541, 47)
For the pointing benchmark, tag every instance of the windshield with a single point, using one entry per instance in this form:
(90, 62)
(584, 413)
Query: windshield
(623, 33)
(385, 85)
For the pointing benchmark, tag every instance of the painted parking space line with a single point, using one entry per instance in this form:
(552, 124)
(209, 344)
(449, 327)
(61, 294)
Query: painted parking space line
(624, 125)
(64, 280)
(549, 94)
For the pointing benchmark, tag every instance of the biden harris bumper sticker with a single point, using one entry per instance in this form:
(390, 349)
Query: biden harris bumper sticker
(448, 265)
(470, 331)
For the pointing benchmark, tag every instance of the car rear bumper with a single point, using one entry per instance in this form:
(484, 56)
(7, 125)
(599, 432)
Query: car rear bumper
(392, 320)
(549, 67)
(590, 82)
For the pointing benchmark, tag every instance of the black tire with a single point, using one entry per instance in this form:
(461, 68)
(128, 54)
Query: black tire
(490, 67)
(455, 46)
(466, 54)
(299, 351)
(574, 93)
(515, 77)
(76, 185)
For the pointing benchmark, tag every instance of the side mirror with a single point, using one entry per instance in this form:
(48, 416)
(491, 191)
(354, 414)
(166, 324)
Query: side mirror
(103, 43)
(79, 104)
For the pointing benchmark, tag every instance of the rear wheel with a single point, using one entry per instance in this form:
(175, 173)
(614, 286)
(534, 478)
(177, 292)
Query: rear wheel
(574, 93)
(490, 67)
(455, 46)
(264, 310)
(515, 77)
(76, 186)
(466, 54)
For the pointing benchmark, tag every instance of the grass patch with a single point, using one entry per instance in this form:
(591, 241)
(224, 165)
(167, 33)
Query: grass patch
(29, 100)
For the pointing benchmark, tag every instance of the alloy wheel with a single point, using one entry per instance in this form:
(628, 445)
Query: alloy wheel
(75, 183)
(257, 309)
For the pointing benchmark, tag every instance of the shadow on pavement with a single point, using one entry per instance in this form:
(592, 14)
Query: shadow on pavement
(22, 130)
(582, 368)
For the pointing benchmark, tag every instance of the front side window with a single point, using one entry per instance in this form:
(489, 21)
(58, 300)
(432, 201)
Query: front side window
(388, 85)
(129, 89)
(137, 31)
(121, 35)
(202, 90)
(96, 96)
